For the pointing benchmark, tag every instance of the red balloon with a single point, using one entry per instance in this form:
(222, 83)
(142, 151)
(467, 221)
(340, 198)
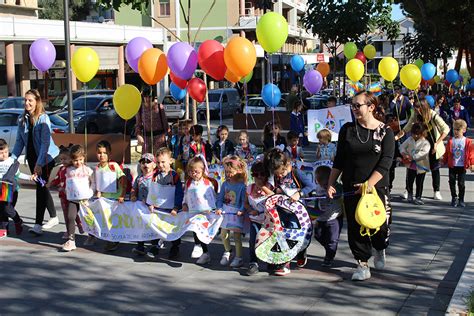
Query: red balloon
(211, 59)
(360, 56)
(197, 89)
(178, 81)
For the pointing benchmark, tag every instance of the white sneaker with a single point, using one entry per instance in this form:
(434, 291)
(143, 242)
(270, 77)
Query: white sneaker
(161, 244)
(37, 230)
(53, 221)
(237, 262)
(204, 258)
(362, 273)
(197, 251)
(69, 245)
(379, 259)
(437, 196)
(405, 195)
(225, 258)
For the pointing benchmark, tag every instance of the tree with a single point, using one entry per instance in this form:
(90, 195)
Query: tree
(54, 10)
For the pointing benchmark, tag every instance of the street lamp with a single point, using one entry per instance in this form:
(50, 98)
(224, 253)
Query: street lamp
(68, 66)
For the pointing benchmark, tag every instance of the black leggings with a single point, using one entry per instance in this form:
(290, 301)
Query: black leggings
(434, 167)
(413, 175)
(43, 196)
(199, 242)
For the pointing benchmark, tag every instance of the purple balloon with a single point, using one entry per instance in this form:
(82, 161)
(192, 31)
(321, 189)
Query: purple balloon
(313, 81)
(135, 49)
(182, 60)
(42, 54)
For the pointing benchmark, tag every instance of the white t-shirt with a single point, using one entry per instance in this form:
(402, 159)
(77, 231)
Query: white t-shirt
(458, 151)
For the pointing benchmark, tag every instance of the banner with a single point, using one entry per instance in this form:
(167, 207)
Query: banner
(132, 221)
(329, 118)
(308, 168)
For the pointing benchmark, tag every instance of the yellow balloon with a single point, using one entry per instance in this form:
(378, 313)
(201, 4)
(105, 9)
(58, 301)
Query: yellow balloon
(369, 51)
(127, 101)
(85, 63)
(354, 69)
(388, 68)
(410, 75)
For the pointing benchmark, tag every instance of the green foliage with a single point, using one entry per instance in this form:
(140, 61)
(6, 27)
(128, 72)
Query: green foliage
(139, 5)
(54, 10)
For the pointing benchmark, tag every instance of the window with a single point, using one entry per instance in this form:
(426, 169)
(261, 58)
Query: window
(165, 7)
(8, 120)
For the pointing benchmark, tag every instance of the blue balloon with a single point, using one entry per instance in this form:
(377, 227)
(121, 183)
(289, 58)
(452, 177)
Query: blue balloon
(428, 71)
(452, 76)
(430, 100)
(271, 95)
(177, 92)
(297, 63)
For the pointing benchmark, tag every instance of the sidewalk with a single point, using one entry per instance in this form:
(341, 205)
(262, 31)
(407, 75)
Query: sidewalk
(423, 261)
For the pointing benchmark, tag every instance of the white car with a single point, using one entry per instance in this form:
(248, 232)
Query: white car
(257, 106)
(174, 109)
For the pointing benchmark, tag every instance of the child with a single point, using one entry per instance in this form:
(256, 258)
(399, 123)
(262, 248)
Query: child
(60, 182)
(459, 157)
(79, 180)
(294, 151)
(325, 150)
(245, 149)
(184, 142)
(110, 183)
(231, 203)
(176, 133)
(223, 147)
(197, 145)
(328, 225)
(297, 123)
(293, 183)
(415, 151)
(257, 193)
(199, 196)
(272, 137)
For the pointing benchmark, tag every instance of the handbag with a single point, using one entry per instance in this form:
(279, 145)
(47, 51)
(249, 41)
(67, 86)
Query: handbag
(370, 212)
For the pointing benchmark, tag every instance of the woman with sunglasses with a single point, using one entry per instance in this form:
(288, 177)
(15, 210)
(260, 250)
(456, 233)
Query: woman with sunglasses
(364, 153)
(437, 131)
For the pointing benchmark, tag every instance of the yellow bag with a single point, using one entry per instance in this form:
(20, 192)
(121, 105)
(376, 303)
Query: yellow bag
(370, 212)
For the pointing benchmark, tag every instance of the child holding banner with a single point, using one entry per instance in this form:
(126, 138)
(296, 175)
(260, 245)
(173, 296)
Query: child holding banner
(325, 150)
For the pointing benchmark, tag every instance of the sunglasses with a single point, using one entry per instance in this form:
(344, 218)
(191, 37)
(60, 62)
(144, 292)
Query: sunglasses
(356, 106)
(146, 161)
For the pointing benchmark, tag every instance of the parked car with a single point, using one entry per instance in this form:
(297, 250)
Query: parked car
(223, 102)
(174, 109)
(256, 105)
(97, 113)
(317, 102)
(59, 103)
(12, 103)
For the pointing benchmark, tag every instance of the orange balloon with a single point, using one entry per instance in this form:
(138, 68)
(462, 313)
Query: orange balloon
(323, 68)
(231, 77)
(152, 66)
(240, 56)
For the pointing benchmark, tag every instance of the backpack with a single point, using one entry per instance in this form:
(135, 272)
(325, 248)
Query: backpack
(370, 212)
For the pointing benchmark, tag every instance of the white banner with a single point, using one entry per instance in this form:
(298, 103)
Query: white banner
(308, 168)
(329, 118)
(132, 221)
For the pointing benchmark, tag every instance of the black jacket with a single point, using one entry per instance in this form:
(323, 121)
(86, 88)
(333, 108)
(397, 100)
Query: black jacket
(228, 149)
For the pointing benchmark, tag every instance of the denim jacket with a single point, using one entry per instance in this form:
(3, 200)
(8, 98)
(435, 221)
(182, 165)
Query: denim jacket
(45, 148)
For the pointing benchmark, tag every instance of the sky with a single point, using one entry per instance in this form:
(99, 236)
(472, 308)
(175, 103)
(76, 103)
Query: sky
(397, 13)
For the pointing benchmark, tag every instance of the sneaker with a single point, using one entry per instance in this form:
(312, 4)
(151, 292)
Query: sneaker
(225, 259)
(204, 258)
(19, 227)
(65, 236)
(53, 221)
(152, 254)
(37, 230)
(437, 196)
(454, 202)
(327, 263)
(404, 195)
(362, 273)
(139, 250)
(111, 246)
(462, 204)
(3, 232)
(419, 201)
(379, 259)
(237, 262)
(90, 241)
(253, 269)
(69, 245)
(197, 251)
(410, 198)
(300, 263)
(282, 271)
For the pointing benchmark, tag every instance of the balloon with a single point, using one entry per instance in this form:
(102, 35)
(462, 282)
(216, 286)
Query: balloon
(323, 68)
(247, 78)
(134, 50)
(177, 92)
(181, 83)
(369, 51)
(271, 95)
(211, 59)
(430, 100)
(297, 63)
(42, 54)
(410, 76)
(127, 101)
(419, 63)
(350, 50)
(354, 69)
(428, 71)
(197, 89)
(85, 63)
(313, 81)
(240, 56)
(436, 79)
(452, 76)
(182, 60)
(231, 77)
(152, 66)
(272, 31)
(388, 68)
(360, 56)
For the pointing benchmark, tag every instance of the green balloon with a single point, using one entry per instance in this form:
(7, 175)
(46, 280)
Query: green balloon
(350, 50)
(247, 78)
(272, 31)
(419, 63)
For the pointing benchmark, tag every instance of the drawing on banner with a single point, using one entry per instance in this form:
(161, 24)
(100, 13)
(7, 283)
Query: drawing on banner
(329, 118)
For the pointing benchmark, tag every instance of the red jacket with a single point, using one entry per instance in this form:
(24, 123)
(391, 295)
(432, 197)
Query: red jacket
(468, 154)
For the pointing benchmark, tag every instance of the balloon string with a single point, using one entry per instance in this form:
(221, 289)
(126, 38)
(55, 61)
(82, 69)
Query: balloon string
(142, 110)
(85, 121)
(396, 108)
(246, 102)
(151, 119)
(124, 140)
(424, 119)
(273, 108)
